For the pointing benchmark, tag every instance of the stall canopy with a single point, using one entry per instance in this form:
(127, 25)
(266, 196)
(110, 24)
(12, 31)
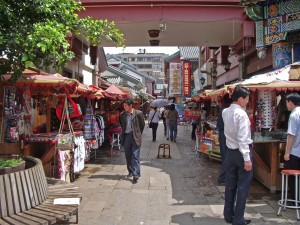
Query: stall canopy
(113, 90)
(42, 81)
(201, 97)
(274, 86)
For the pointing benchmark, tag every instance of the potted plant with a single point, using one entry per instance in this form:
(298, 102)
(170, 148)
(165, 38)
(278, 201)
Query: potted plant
(11, 164)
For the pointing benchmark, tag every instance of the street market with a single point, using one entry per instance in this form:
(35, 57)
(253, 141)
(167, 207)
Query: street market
(205, 134)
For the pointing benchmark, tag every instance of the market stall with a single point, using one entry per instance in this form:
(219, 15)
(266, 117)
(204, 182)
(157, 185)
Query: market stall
(269, 117)
(30, 120)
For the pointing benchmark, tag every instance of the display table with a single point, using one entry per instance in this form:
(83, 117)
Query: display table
(42, 146)
(266, 163)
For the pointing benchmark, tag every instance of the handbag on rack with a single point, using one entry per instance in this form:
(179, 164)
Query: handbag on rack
(74, 109)
(151, 124)
(65, 141)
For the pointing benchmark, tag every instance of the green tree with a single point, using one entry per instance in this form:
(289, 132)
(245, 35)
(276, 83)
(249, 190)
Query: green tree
(34, 33)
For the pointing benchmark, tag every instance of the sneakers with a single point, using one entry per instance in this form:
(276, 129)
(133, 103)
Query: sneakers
(135, 179)
(129, 175)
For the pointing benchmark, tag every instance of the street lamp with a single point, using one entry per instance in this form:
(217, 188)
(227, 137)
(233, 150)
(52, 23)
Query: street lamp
(202, 80)
(226, 65)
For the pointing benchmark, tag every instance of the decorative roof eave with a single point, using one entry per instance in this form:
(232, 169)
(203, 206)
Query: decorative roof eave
(136, 71)
(172, 57)
(124, 75)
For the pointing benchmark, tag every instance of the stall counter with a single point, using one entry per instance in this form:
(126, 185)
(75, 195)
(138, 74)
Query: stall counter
(266, 162)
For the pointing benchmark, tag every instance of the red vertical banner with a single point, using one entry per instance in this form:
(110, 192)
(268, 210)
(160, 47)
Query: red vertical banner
(186, 67)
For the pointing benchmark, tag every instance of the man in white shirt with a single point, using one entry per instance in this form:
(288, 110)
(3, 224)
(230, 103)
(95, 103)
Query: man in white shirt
(292, 151)
(239, 170)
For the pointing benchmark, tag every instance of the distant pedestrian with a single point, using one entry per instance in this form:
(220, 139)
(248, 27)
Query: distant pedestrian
(239, 170)
(292, 151)
(172, 116)
(132, 124)
(194, 122)
(222, 139)
(167, 122)
(163, 117)
(153, 117)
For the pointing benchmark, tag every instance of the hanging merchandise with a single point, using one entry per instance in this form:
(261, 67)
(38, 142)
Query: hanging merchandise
(12, 110)
(65, 141)
(264, 113)
(11, 133)
(73, 108)
(42, 106)
(88, 126)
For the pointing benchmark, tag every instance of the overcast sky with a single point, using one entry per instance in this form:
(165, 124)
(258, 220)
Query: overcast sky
(166, 50)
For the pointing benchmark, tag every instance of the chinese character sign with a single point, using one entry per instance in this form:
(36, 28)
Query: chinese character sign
(175, 78)
(186, 72)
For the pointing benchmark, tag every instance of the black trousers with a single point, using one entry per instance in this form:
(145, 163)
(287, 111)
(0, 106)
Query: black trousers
(238, 182)
(223, 151)
(292, 164)
(154, 130)
(194, 127)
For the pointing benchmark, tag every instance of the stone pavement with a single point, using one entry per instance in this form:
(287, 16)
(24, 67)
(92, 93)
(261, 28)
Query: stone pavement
(182, 190)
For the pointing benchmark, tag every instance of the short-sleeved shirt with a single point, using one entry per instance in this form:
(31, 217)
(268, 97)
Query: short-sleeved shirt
(294, 129)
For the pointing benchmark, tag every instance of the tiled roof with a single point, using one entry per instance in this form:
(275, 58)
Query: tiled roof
(173, 56)
(128, 66)
(189, 52)
(123, 74)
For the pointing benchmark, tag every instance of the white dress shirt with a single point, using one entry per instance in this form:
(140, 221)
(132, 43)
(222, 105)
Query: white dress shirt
(237, 129)
(156, 116)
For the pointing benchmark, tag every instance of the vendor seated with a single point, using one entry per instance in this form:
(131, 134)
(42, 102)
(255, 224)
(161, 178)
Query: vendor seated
(111, 129)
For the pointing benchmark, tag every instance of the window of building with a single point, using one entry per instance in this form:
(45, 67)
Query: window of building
(156, 66)
(155, 59)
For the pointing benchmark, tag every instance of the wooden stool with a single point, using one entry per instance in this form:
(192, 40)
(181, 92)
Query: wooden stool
(284, 191)
(164, 147)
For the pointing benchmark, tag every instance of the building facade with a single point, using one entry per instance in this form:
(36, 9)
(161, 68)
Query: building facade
(150, 64)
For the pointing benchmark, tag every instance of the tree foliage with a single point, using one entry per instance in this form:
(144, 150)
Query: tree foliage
(34, 33)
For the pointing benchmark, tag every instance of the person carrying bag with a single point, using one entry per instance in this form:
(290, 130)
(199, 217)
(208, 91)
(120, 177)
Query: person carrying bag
(151, 124)
(154, 121)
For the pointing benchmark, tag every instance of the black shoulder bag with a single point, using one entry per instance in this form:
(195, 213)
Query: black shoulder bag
(151, 124)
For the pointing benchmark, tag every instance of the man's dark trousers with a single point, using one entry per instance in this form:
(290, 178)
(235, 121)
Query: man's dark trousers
(223, 151)
(132, 155)
(238, 182)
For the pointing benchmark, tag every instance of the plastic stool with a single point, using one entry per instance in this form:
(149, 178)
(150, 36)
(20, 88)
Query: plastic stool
(284, 190)
(164, 147)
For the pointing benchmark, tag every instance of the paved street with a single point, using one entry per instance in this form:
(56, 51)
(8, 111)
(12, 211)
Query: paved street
(182, 190)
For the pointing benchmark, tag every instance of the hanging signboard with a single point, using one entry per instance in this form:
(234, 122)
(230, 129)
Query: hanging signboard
(175, 79)
(186, 67)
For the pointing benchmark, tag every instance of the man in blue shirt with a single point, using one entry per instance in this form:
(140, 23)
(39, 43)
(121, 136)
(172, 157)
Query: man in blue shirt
(292, 151)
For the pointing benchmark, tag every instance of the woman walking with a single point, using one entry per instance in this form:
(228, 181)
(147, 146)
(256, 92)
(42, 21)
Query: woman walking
(153, 118)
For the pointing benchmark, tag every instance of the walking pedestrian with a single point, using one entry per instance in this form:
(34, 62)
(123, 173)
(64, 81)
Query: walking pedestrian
(163, 117)
(292, 151)
(132, 124)
(153, 118)
(172, 116)
(239, 170)
(222, 139)
(167, 122)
